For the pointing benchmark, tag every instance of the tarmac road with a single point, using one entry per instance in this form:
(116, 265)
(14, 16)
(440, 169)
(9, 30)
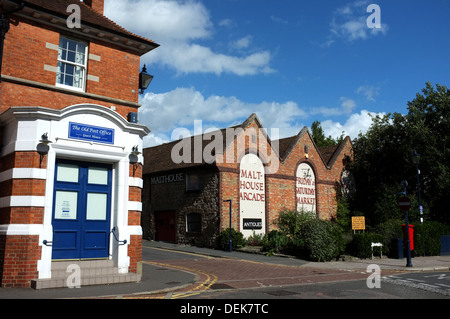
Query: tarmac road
(174, 271)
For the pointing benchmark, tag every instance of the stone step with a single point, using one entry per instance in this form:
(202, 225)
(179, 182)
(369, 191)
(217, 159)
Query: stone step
(92, 272)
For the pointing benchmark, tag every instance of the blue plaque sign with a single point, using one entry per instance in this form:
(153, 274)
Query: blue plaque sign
(91, 133)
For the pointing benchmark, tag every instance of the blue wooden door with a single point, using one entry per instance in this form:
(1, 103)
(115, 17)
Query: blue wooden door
(81, 210)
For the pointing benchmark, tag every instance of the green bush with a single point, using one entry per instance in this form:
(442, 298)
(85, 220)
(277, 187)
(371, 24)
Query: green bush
(427, 238)
(323, 240)
(389, 230)
(224, 239)
(290, 222)
(362, 244)
(302, 234)
(275, 242)
(255, 239)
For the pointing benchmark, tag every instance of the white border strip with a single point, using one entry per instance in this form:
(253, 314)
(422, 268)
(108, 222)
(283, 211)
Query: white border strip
(22, 229)
(23, 173)
(22, 201)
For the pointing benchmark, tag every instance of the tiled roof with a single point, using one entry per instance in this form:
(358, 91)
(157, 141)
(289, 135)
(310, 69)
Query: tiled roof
(159, 158)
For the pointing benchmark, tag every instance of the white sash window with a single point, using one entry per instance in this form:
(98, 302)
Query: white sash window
(72, 63)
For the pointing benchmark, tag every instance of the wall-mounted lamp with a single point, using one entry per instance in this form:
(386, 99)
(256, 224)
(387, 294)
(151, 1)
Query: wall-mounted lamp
(134, 157)
(306, 151)
(144, 80)
(43, 148)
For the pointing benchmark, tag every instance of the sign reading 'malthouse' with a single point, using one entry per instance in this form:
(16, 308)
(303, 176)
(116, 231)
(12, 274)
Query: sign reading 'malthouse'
(305, 188)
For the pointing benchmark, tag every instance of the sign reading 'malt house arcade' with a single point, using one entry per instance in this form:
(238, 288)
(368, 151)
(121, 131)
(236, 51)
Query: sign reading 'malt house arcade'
(252, 198)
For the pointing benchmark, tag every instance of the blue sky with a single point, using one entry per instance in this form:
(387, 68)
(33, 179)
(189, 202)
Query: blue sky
(291, 62)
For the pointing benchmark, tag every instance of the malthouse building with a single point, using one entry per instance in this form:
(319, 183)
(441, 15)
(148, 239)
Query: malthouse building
(188, 184)
(70, 179)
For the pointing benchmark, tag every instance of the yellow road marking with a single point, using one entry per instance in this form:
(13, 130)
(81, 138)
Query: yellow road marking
(181, 252)
(202, 286)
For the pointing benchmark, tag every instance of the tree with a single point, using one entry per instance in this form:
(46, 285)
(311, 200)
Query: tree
(319, 136)
(383, 158)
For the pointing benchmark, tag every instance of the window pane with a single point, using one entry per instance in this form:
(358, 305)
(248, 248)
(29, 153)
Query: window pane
(72, 45)
(66, 205)
(67, 173)
(78, 80)
(98, 175)
(96, 206)
(68, 80)
(62, 43)
(62, 54)
(194, 222)
(71, 56)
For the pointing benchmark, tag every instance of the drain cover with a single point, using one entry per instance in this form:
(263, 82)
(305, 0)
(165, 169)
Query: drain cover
(173, 283)
(281, 293)
(220, 286)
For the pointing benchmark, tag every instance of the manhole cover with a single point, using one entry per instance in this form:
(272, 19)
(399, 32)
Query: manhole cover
(281, 293)
(220, 286)
(173, 283)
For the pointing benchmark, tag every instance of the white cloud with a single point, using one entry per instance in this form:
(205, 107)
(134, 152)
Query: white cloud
(347, 106)
(164, 112)
(177, 25)
(241, 43)
(369, 92)
(350, 23)
(355, 124)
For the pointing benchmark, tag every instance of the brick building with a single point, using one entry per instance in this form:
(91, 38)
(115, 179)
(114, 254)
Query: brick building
(70, 179)
(188, 183)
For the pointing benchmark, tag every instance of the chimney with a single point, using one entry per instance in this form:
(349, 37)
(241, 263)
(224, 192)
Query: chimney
(97, 5)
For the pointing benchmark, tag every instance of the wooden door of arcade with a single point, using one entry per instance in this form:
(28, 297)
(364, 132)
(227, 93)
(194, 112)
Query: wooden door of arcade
(165, 226)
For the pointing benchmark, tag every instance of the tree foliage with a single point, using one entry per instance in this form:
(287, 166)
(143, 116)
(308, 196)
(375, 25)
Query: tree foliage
(319, 136)
(383, 158)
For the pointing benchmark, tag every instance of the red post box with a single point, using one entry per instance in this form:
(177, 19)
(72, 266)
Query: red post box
(411, 236)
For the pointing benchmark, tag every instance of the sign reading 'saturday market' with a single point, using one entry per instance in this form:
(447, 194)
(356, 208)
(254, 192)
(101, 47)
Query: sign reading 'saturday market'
(91, 133)
(305, 188)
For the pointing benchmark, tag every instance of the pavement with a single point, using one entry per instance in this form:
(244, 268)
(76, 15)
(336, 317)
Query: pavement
(158, 279)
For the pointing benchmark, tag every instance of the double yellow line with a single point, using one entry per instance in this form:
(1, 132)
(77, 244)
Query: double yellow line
(199, 287)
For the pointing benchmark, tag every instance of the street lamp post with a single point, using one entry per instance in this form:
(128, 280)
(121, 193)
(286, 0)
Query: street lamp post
(416, 160)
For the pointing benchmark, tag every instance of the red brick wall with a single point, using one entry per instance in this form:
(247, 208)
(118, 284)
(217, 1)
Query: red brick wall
(20, 254)
(135, 252)
(26, 54)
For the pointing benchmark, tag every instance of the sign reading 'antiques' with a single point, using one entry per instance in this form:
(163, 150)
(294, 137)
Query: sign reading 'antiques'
(252, 223)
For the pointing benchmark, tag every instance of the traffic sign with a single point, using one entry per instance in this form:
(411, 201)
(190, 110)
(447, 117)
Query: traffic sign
(404, 203)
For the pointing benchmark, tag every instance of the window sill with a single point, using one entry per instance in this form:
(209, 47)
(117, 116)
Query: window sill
(12, 79)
